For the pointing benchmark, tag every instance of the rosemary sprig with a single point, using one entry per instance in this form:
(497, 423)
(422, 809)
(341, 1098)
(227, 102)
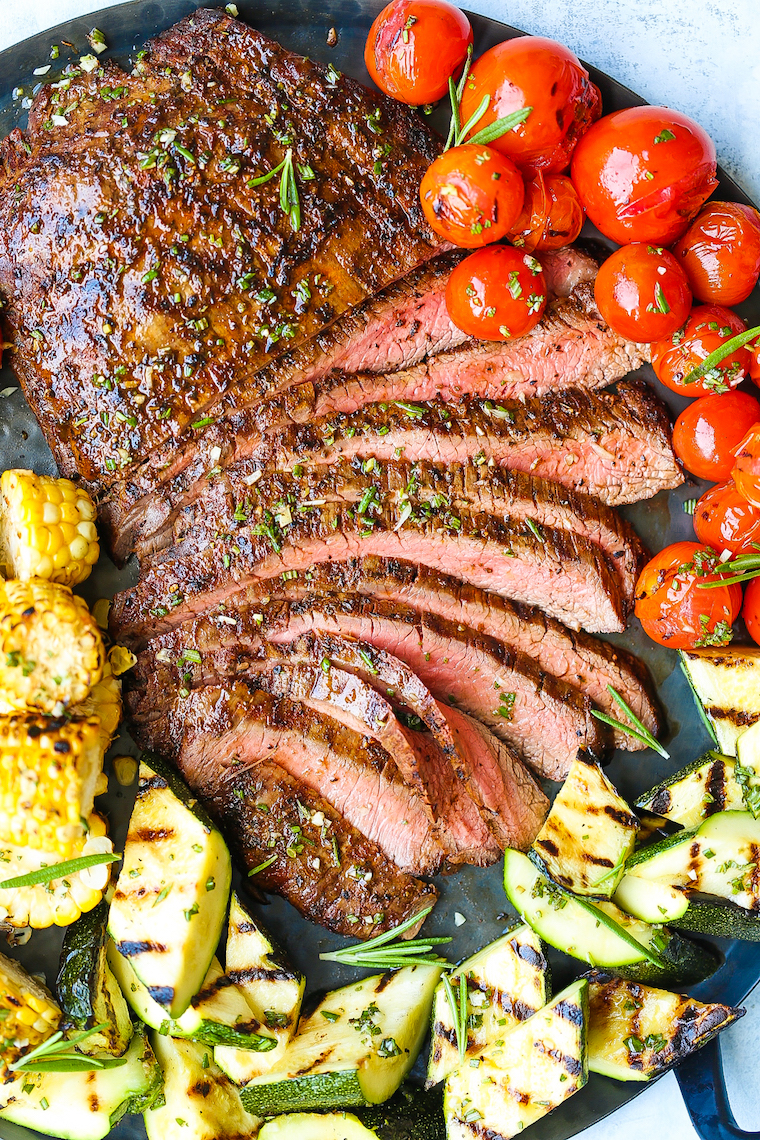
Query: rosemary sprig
(720, 354)
(58, 1056)
(639, 731)
(458, 133)
(458, 1011)
(289, 201)
(59, 870)
(384, 953)
(741, 569)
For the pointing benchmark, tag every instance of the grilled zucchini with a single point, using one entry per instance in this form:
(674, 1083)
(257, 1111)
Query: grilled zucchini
(200, 1103)
(88, 992)
(316, 1126)
(600, 933)
(171, 896)
(726, 683)
(218, 1013)
(524, 1075)
(409, 1115)
(588, 834)
(697, 791)
(355, 1049)
(506, 982)
(85, 1105)
(636, 1032)
(270, 985)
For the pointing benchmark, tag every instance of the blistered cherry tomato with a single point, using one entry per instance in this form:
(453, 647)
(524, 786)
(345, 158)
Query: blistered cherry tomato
(754, 362)
(414, 46)
(672, 607)
(708, 327)
(531, 71)
(642, 292)
(643, 173)
(720, 252)
(707, 433)
(724, 520)
(751, 609)
(496, 293)
(472, 195)
(746, 469)
(552, 215)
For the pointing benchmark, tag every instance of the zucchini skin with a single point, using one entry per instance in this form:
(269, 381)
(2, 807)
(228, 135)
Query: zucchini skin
(83, 943)
(720, 918)
(409, 1115)
(324, 1090)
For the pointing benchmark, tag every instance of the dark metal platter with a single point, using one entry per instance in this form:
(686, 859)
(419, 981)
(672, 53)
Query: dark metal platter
(303, 25)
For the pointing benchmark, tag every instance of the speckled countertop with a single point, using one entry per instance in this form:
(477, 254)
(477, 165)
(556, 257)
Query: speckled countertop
(702, 57)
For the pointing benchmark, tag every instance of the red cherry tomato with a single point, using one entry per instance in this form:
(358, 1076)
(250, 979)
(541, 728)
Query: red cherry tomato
(531, 71)
(672, 607)
(720, 252)
(754, 362)
(707, 433)
(414, 46)
(643, 173)
(496, 293)
(552, 215)
(746, 470)
(708, 327)
(642, 292)
(472, 195)
(724, 520)
(751, 609)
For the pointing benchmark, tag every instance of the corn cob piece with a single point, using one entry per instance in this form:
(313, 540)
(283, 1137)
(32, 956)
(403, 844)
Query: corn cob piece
(104, 702)
(49, 775)
(47, 528)
(51, 650)
(28, 1014)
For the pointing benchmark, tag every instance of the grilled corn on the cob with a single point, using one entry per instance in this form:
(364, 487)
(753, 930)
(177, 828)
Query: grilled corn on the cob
(47, 528)
(28, 1014)
(51, 650)
(49, 775)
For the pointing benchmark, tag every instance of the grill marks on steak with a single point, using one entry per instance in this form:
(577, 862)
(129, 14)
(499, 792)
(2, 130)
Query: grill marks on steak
(327, 869)
(91, 217)
(613, 445)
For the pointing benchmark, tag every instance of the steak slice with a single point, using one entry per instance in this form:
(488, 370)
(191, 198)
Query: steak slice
(396, 329)
(322, 865)
(239, 725)
(481, 676)
(142, 268)
(613, 445)
(584, 662)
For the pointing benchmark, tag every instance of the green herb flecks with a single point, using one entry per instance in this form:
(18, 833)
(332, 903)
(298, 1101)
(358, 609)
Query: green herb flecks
(639, 730)
(385, 953)
(289, 201)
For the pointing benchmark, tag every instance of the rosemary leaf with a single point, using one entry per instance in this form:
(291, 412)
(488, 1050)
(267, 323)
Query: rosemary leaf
(474, 118)
(59, 870)
(462, 1034)
(639, 731)
(58, 1056)
(500, 127)
(720, 354)
(385, 953)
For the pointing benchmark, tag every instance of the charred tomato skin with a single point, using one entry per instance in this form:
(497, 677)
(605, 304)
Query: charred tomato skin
(720, 252)
(535, 72)
(471, 195)
(708, 431)
(496, 293)
(672, 608)
(706, 328)
(551, 217)
(642, 173)
(642, 292)
(725, 520)
(751, 609)
(414, 46)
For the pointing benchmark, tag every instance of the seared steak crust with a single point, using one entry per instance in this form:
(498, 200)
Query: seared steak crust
(143, 273)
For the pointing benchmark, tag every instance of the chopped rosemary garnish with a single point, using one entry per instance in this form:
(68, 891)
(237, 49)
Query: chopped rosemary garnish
(58, 1056)
(638, 732)
(383, 953)
(289, 202)
(720, 354)
(458, 132)
(458, 1011)
(689, 506)
(59, 870)
(263, 866)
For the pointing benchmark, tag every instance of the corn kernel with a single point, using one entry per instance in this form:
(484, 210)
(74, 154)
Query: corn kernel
(43, 515)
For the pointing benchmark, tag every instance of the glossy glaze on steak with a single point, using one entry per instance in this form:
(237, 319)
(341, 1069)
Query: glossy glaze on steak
(142, 273)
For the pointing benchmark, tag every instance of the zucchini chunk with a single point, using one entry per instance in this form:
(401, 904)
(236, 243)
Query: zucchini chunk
(356, 1048)
(200, 1103)
(270, 985)
(636, 1032)
(316, 1126)
(171, 896)
(524, 1075)
(506, 983)
(588, 834)
(599, 932)
(88, 993)
(218, 1013)
(84, 1106)
(719, 858)
(409, 1115)
(697, 791)
(726, 682)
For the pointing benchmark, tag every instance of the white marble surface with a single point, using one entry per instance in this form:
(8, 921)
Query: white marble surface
(702, 57)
